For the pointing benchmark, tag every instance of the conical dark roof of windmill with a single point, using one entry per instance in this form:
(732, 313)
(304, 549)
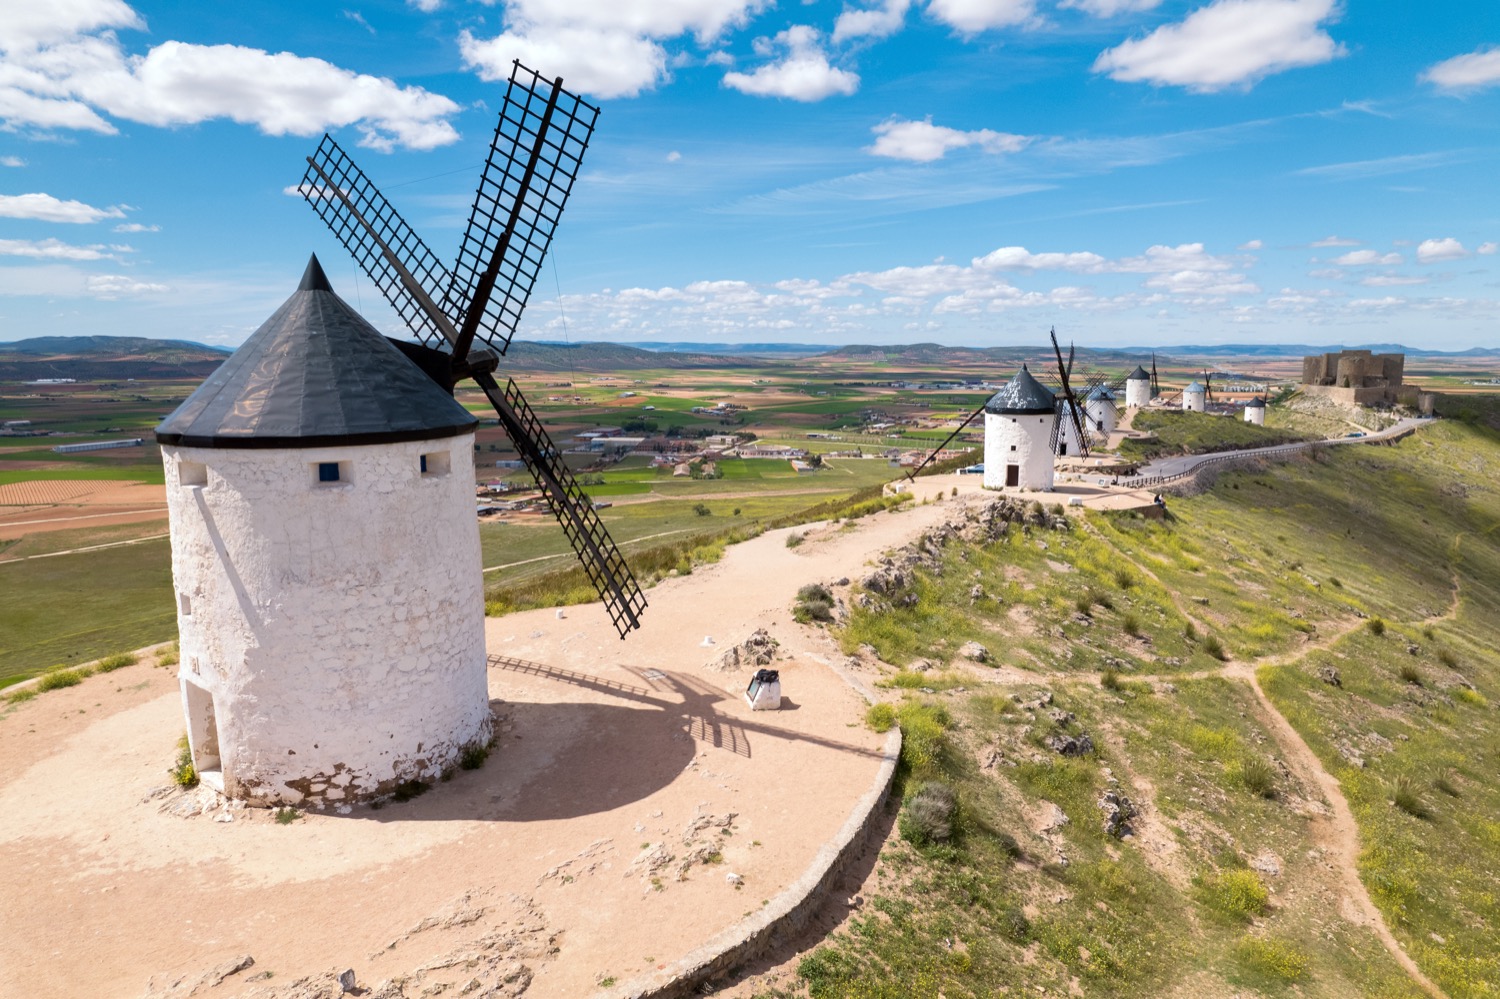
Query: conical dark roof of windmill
(1022, 394)
(1138, 375)
(315, 374)
(1256, 403)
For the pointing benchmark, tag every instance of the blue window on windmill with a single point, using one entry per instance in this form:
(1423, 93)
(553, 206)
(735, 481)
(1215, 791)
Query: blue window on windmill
(424, 464)
(328, 471)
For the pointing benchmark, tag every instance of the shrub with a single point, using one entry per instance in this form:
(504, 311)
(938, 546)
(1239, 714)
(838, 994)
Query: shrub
(1335, 582)
(1279, 959)
(1190, 632)
(1376, 626)
(1214, 647)
(1131, 625)
(21, 696)
(286, 816)
(1464, 694)
(56, 679)
(1084, 604)
(1014, 926)
(1447, 658)
(168, 657)
(1238, 893)
(1110, 679)
(1406, 794)
(111, 663)
(736, 512)
(1445, 784)
(184, 774)
(702, 510)
(1410, 673)
(1124, 579)
(409, 789)
(794, 539)
(473, 756)
(1429, 632)
(924, 739)
(881, 717)
(1258, 776)
(927, 817)
(814, 603)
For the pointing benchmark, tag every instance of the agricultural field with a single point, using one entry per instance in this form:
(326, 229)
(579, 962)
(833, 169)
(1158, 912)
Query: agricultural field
(1334, 614)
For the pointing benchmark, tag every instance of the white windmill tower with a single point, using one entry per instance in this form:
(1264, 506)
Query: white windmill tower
(1099, 406)
(1138, 388)
(1255, 411)
(1019, 422)
(325, 547)
(326, 559)
(1194, 398)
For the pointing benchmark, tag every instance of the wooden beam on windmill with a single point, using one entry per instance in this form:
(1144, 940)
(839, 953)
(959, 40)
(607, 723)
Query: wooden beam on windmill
(533, 161)
(1071, 407)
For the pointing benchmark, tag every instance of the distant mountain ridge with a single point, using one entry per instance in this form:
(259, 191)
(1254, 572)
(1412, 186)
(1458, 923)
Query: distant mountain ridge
(113, 347)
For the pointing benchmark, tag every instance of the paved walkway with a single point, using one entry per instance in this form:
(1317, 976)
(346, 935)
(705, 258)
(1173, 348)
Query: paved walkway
(1169, 468)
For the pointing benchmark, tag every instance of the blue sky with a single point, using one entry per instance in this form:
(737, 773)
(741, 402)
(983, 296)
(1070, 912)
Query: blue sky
(961, 171)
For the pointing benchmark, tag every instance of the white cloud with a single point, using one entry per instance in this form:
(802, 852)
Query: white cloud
(112, 286)
(803, 75)
(923, 142)
(1109, 8)
(1390, 281)
(46, 208)
(673, 156)
(72, 79)
(1227, 43)
(137, 227)
(1366, 258)
(973, 16)
(1431, 251)
(12, 161)
(1327, 241)
(871, 22)
(33, 25)
(1253, 244)
(425, 6)
(52, 249)
(1477, 69)
(1020, 258)
(592, 61)
(1487, 249)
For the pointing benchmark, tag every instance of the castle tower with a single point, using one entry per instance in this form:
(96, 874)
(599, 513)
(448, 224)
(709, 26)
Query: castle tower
(1018, 435)
(1138, 388)
(1255, 411)
(1194, 398)
(325, 554)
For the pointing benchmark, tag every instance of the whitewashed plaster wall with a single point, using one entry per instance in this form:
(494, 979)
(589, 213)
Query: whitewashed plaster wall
(1193, 402)
(1255, 415)
(338, 627)
(1137, 392)
(1031, 436)
(1101, 412)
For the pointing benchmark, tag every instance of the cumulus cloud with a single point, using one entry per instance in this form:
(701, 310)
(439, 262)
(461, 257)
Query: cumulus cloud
(113, 286)
(1327, 241)
(12, 161)
(923, 142)
(1487, 249)
(604, 49)
(1253, 244)
(46, 208)
(137, 227)
(1390, 281)
(973, 16)
(425, 6)
(53, 249)
(870, 22)
(1473, 71)
(1110, 8)
(803, 74)
(1020, 258)
(1431, 251)
(1366, 258)
(73, 72)
(1228, 43)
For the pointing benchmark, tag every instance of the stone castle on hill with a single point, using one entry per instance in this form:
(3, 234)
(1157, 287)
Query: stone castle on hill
(1361, 378)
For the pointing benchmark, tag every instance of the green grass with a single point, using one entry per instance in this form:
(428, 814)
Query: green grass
(1200, 433)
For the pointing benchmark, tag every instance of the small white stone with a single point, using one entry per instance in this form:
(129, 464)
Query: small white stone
(224, 817)
(707, 641)
(560, 614)
(734, 878)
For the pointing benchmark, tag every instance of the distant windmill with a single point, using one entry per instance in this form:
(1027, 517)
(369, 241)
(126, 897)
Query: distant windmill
(1070, 408)
(533, 161)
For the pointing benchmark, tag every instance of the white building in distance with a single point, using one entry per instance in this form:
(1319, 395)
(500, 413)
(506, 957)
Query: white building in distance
(1194, 398)
(1018, 435)
(1138, 388)
(1101, 411)
(325, 553)
(1255, 411)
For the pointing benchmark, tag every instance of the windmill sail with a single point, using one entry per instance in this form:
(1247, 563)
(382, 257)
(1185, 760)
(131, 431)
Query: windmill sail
(534, 159)
(502, 252)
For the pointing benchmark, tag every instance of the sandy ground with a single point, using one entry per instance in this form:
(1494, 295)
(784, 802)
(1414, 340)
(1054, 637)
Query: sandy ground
(591, 845)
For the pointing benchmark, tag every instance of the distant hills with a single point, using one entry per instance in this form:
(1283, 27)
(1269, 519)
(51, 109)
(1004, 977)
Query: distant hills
(122, 357)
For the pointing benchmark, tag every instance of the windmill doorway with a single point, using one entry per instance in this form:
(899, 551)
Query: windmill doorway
(1012, 475)
(203, 734)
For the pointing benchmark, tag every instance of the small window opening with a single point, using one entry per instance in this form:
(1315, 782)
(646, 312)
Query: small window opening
(192, 473)
(328, 471)
(331, 473)
(435, 464)
(184, 605)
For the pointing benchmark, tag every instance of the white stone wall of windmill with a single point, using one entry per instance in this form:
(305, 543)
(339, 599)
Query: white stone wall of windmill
(1018, 429)
(1138, 388)
(1100, 407)
(1194, 398)
(1255, 411)
(326, 559)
